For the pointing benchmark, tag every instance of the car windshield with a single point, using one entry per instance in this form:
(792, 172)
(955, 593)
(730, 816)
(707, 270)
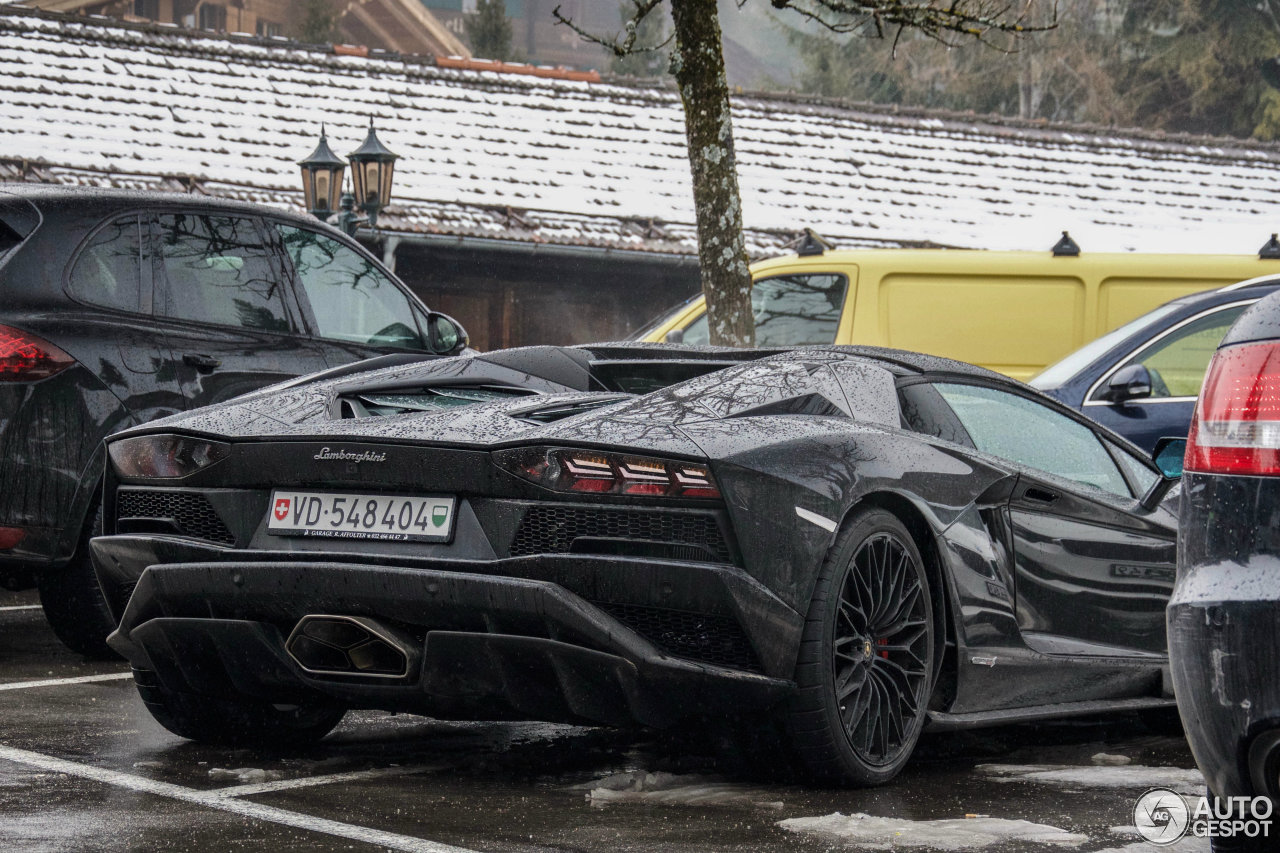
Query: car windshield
(1062, 371)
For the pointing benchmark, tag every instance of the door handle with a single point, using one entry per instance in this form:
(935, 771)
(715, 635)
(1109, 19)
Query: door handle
(201, 362)
(1039, 495)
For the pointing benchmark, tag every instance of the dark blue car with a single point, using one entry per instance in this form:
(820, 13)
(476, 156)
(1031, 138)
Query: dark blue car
(1141, 380)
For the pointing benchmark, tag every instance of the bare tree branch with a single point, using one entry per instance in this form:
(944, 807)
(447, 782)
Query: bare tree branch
(622, 43)
(942, 20)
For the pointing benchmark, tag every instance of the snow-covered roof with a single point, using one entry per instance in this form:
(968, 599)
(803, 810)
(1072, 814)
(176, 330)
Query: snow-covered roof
(557, 161)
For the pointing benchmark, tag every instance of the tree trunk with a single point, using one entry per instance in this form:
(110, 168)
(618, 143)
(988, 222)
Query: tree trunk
(698, 63)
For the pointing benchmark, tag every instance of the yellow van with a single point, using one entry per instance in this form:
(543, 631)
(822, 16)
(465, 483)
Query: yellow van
(1014, 312)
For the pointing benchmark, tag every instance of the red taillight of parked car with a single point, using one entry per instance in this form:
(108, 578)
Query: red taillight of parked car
(11, 537)
(1236, 427)
(26, 358)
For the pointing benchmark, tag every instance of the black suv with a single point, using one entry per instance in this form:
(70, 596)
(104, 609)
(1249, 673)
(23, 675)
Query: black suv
(1224, 616)
(120, 307)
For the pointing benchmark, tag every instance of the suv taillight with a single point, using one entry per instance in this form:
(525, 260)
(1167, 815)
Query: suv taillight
(1236, 425)
(26, 358)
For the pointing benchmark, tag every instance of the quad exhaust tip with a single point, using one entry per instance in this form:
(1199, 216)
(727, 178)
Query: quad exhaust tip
(351, 646)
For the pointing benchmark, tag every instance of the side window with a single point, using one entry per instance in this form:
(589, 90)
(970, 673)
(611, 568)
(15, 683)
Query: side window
(1178, 361)
(924, 411)
(790, 311)
(1032, 434)
(1140, 473)
(108, 271)
(219, 271)
(352, 299)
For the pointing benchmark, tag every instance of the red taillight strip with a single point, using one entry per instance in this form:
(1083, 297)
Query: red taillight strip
(595, 472)
(1236, 425)
(27, 358)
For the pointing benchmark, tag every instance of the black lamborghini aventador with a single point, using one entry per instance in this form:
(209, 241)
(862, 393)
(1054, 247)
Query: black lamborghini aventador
(854, 543)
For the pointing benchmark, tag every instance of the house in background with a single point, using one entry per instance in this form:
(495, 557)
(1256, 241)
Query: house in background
(535, 36)
(404, 26)
(538, 206)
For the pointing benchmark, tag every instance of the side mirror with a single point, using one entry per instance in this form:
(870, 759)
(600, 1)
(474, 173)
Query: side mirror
(675, 336)
(1128, 383)
(445, 334)
(1168, 456)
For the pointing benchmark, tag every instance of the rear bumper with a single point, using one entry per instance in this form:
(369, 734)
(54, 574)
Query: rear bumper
(51, 463)
(564, 638)
(1224, 630)
(1224, 659)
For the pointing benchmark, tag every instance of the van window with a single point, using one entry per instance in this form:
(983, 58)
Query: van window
(790, 311)
(352, 299)
(219, 271)
(108, 271)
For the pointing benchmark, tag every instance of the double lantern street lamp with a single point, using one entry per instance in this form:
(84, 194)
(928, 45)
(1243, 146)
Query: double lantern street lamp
(371, 168)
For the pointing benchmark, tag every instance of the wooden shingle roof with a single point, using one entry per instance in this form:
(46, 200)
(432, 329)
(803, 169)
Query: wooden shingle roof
(540, 159)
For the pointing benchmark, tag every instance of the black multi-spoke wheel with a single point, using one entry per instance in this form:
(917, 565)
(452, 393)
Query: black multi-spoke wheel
(866, 660)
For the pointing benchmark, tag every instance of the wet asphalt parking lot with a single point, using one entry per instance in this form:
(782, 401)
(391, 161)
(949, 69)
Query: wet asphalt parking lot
(83, 767)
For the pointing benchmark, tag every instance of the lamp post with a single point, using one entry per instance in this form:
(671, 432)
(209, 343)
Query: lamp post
(372, 166)
(322, 180)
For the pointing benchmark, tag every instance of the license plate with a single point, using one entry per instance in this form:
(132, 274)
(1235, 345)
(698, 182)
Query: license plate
(389, 518)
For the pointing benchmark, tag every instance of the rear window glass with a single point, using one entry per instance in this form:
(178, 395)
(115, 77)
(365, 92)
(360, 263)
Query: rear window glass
(790, 311)
(108, 271)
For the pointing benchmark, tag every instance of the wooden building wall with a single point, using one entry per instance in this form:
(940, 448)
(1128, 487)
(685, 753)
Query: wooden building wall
(522, 297)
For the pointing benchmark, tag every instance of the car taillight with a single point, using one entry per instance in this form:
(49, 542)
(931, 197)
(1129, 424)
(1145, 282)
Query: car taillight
(164, 457)
(11, 537)
(1236, 426)
(26, 358)
(600, 473)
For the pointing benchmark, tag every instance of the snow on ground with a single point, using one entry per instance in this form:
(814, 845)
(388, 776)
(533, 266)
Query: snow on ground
(244, 775)
(1074, 776)
(885, 833)
(640, 786)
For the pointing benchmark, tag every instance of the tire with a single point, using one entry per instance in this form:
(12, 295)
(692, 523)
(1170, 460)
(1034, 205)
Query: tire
(73, 603)
(867, 657)
(1243, 844)
(224, 721)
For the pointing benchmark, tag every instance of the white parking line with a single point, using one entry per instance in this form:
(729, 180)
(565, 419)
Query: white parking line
(309, 781)
(58, 682)
(211, 799)
(9, 607)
